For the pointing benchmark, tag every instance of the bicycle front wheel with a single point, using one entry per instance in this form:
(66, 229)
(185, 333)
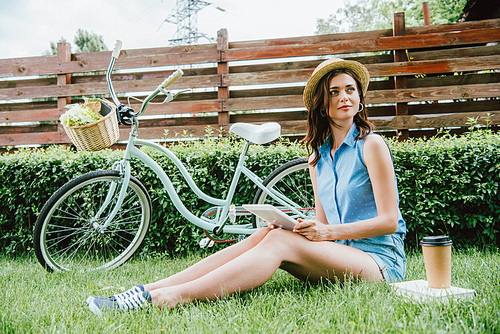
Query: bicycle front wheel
(291, 180)
(70, 231)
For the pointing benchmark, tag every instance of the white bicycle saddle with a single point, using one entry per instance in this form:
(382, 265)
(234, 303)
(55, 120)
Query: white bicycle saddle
(257, 134)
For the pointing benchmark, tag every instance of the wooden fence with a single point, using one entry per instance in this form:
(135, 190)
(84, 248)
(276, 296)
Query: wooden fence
(423, 78)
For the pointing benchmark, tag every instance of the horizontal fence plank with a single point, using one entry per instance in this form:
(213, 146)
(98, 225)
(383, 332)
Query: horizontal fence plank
(42, 138)
(434, 93)
(265, 102)
(180, 121)
(430, 67)
(183, 107)
(269, 117)
(42, 81)
(153, 57)
(434, 107)
(441, 121)
(30, 105)
(171, 59)
(23, 61)
(33, 116)
(146, 52)
(449, 38)
(453, 79)
(470, 25)
(30, 128)
(262, 78)
(310, 39)
(132, 74)
(461, 52)
(98, 88)
(289, 128)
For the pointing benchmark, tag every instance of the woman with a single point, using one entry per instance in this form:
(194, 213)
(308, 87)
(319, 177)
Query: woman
(356, 207)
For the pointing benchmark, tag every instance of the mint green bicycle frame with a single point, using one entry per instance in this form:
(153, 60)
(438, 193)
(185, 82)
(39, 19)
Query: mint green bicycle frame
(219, 223)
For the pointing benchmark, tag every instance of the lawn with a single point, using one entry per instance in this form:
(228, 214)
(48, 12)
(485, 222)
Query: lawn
(34, 301)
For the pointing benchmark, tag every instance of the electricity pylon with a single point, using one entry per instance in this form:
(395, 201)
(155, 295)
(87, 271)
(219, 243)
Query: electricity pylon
(185, 16)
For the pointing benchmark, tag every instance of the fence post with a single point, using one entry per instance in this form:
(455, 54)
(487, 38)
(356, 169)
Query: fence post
(63, 55)
(400, 81)
(222, 69)
(425, 12)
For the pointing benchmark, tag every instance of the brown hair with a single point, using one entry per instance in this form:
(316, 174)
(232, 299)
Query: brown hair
(317, 129)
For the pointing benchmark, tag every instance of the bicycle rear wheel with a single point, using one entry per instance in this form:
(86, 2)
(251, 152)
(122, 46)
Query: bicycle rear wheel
(292, 180)
(70, 233)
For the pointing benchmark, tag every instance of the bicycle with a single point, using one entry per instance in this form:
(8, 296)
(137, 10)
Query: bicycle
(98, 220)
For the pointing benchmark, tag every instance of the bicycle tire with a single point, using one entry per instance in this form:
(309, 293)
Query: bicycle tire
(69, 237)
(292, 180)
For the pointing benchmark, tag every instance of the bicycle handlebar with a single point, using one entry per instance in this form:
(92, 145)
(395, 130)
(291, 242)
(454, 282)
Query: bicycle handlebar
(117, 49)
(161, 88)
(172, 78)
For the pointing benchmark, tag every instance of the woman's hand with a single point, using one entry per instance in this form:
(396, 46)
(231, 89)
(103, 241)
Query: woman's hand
(313, 230)
(272, 225)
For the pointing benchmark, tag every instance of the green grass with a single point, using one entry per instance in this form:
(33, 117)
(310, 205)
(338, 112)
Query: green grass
(34, 301)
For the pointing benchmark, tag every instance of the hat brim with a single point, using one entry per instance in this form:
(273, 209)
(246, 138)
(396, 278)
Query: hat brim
(328, 66)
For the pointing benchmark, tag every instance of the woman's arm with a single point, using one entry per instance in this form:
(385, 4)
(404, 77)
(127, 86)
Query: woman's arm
(378, 161)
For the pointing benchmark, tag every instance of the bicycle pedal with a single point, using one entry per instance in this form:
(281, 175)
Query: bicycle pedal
(232, 213)
(206, 243)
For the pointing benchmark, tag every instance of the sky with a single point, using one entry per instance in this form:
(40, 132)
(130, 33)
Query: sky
(28, 26)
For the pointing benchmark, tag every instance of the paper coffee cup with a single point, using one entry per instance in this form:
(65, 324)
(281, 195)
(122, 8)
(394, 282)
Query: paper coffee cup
(437, 259)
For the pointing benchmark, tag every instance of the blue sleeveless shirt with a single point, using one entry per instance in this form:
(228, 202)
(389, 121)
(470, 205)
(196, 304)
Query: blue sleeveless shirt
(344, 186)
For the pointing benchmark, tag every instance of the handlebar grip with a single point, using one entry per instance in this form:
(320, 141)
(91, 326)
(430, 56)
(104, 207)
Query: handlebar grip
(172, 78)
(117, 49)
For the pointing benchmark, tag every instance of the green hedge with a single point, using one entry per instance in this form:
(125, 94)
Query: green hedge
(447, 185)
(450, 185)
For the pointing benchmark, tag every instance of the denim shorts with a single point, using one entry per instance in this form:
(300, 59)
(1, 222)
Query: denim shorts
(389, 256)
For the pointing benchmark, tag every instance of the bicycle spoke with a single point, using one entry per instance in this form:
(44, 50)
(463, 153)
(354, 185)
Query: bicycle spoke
(63, 229)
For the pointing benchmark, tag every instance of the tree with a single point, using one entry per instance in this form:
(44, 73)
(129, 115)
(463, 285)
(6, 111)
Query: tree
(85, 42)
(89, 42)
(364, 15)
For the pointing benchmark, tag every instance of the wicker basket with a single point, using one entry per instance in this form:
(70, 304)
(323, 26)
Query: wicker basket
(98, 135)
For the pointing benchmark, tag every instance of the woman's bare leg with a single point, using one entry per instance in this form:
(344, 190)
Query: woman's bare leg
(252, 268)
(211, 262)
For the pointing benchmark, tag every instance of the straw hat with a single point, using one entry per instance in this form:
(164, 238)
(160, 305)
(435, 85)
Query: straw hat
(328, 66)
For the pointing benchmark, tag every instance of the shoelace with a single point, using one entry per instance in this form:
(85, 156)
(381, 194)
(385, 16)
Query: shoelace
(131, 302)
(129, 293)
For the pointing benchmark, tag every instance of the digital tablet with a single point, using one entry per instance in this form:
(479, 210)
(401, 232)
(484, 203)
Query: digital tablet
(271, 214)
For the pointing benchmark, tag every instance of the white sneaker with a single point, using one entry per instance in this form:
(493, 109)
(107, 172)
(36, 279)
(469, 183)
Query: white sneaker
(136, 301)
